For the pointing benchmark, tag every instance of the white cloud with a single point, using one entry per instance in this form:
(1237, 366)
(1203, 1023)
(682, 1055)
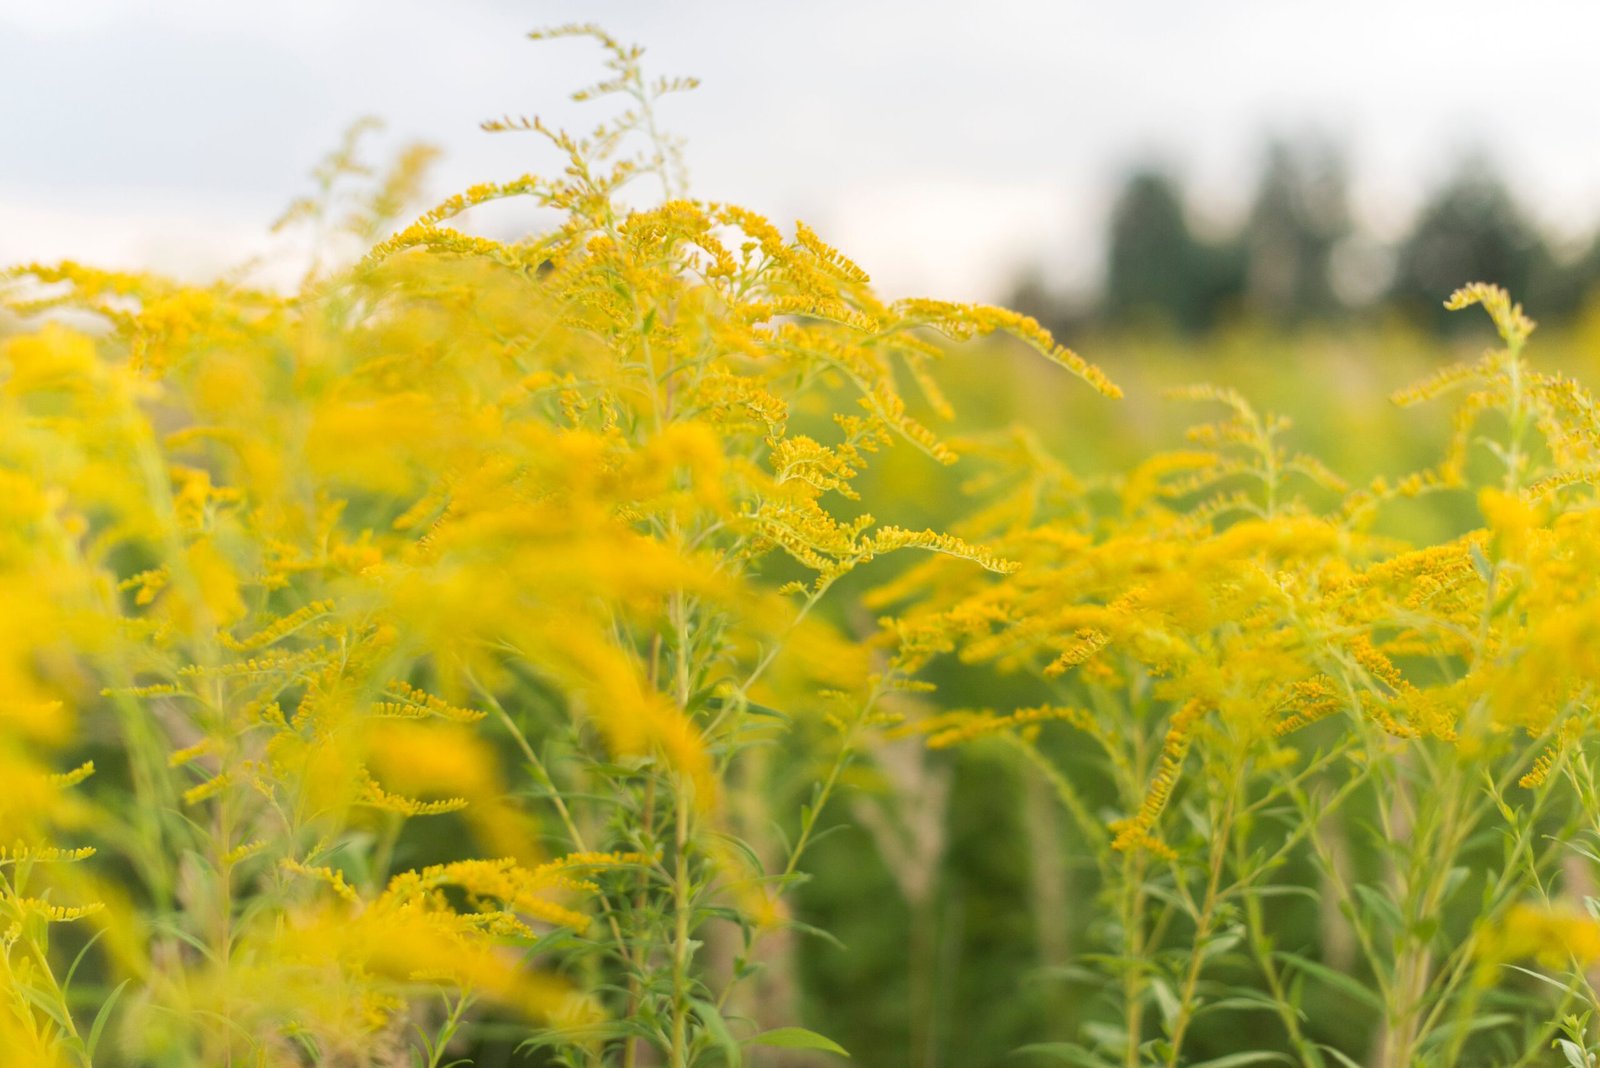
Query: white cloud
(939, 140)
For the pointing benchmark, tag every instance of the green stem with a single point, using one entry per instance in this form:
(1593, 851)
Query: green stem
(1221, 836)
(447, 1031)
(1438, 843)
(681, 890)
(1132, 901)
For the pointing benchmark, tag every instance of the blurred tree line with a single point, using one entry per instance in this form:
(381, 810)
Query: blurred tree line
(1297, 257)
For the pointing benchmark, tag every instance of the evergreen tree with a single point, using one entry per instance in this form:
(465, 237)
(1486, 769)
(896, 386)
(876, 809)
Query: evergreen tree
(1299, 215)
(1157, 270)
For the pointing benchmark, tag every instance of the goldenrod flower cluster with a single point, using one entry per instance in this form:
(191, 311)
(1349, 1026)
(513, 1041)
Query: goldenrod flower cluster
(1229, 622)
(470, 531)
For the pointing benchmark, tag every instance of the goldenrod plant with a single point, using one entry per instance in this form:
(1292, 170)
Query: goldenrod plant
(508, 536)
(459, 659)
(1284, 699)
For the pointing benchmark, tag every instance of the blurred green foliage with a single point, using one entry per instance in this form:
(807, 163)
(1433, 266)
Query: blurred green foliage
(1298, 256)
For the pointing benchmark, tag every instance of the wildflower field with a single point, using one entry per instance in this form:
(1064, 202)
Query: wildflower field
(639, 644)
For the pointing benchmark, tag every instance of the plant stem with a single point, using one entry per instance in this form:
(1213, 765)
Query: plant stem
(1221, 836)
(1133, 902)
(680, 941)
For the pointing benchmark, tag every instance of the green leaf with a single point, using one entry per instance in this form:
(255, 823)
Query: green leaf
(1234, 1060)
(797, 1038)
(1067, 1052)
(1340, 1057)
(740, 846)
(717, 1028)
(1220, 944)
(1166, 1001)
(1573, 1053)
(1285, 890)
(1563, 987)
(101, 1017)
(1338, 980)
(1381, 907)
(815, 932)
(1241, 1003)
(66, 984)
(1484, 1021)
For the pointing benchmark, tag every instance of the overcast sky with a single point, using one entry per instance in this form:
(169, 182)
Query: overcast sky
(941, 143)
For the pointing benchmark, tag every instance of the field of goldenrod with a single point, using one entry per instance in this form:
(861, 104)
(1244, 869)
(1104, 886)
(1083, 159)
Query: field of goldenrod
(615, 647)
